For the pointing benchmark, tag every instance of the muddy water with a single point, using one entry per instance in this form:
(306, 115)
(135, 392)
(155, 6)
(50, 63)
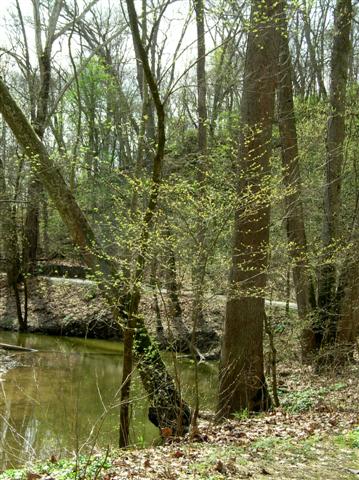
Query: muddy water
(63, 399)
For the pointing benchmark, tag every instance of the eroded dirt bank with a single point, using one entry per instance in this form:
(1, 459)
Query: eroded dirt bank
(76, 308)
(59, 309)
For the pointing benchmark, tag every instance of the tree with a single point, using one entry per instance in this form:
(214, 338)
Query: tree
(328, 297)
(10, 238)
(38, 84)
(242, 381)
(39, 109)
(316, 70)
(167, 403)
(295, 226)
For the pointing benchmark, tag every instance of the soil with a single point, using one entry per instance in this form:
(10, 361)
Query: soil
(73, 307)
(59, 309)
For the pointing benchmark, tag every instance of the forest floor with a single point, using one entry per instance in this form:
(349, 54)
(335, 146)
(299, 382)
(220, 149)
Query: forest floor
(314, 434)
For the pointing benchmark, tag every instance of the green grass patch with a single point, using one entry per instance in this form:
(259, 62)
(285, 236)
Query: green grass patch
(303, 400)
(350, 439)
(82, 468)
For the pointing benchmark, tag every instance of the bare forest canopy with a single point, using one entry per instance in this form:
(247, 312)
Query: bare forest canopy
(202, 146)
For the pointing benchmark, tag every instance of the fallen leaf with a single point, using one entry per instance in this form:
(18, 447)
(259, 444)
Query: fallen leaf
(32, 476)
(264, 471)
(166, 432)
(220, 467)
(178, 454)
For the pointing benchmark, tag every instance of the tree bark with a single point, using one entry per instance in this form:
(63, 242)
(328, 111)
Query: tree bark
(10, 245)
(296, 235)
(242, 381)
(348, 321)
(199, 267)
(328, 310)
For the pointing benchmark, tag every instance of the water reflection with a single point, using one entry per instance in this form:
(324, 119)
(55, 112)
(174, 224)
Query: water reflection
(64, 398)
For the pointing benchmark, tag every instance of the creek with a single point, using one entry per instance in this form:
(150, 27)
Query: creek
(64, 399)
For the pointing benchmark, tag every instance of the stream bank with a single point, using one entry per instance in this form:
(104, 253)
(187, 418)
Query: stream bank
(76, 308)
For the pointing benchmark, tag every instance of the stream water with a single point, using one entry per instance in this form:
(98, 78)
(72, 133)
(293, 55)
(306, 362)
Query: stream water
(63, 399)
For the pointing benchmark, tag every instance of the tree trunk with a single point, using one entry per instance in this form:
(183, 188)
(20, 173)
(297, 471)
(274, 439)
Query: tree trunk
(155, 304)
(45, 231)
(175, 309)
(39, 117)
(199, 266)
(31, 227)
(346, 303)
(127, 373)
(348, 321)
(297, 242)
(328, 311)
(242, 381)
(10, 246)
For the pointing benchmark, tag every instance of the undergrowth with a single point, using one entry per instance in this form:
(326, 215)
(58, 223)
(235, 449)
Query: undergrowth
(303, 400)
(82, 468)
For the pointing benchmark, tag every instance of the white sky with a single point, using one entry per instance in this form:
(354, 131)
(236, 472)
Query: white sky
(171, 26)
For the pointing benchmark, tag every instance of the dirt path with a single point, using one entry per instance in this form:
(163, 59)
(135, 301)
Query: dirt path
(221, 298)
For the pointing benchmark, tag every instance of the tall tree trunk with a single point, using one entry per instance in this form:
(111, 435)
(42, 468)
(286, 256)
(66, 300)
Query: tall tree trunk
(242, 381)
(134, 292)
(295, 227)
(10, 245)
(199, 267)
(328, 310)
(39, 118)
(31, 228)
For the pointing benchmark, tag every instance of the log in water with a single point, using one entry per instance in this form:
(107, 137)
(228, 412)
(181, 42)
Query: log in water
(17, 348)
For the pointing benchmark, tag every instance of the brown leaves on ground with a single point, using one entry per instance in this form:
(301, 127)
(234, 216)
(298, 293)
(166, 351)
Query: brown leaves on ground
(32, 476)
(278, 444)
(282, 444)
